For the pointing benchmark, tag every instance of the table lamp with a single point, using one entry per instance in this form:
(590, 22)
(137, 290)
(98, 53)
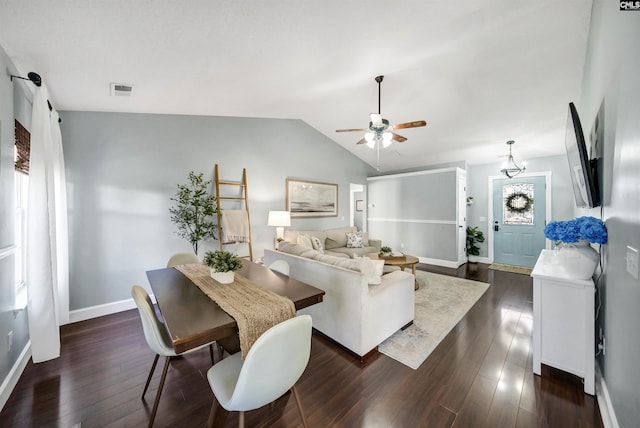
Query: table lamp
(279, 219)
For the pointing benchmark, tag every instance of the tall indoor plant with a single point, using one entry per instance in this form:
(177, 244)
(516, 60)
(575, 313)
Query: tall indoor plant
(193, 210)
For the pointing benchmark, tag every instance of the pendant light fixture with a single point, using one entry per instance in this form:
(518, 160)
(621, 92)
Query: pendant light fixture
(510, 168)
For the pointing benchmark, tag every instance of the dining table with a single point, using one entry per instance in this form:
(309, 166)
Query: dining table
(193, 319)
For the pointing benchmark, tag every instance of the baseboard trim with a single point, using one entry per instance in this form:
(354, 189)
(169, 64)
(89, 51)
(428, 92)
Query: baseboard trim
(605, 405)
(438, 262)
(13, 377)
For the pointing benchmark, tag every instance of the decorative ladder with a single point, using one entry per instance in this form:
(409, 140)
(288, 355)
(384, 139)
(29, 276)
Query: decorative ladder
(243, 197)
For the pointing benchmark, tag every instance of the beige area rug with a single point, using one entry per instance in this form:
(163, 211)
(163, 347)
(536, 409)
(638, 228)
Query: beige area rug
(441, 301)
(509, 268)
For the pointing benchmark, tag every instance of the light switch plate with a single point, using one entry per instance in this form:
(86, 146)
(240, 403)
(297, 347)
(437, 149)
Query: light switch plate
(632, 261)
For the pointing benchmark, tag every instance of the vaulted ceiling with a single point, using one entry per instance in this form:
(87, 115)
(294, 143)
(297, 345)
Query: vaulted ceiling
(479, 72)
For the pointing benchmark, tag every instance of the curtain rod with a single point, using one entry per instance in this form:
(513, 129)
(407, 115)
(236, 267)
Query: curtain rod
(37, 80)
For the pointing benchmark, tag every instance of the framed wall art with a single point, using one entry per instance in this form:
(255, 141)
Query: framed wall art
(311, 199)
(359, 205)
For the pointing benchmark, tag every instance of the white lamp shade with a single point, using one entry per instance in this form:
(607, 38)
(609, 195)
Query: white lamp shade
(279, 218)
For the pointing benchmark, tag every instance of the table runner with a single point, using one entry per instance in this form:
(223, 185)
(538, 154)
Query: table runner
(255, 309)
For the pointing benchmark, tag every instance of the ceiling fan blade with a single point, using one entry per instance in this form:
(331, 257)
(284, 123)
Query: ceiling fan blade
(376, 119)
(362, 141)
(415, 124)
(398, 138)
(351, 130)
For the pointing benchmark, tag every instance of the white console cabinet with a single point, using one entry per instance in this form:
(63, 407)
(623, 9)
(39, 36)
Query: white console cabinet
(563, 321)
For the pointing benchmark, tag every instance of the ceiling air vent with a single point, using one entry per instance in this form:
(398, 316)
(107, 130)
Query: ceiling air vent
(121, 90)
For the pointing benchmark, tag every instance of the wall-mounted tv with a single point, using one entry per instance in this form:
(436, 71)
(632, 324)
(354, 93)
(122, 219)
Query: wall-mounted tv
(583, 170)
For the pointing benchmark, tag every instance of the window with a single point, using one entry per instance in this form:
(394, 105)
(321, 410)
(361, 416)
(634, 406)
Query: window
(23, 138)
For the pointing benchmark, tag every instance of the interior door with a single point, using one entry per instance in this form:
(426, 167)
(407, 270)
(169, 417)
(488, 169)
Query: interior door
(519, 209)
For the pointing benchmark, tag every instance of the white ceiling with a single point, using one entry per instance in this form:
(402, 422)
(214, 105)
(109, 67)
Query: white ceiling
(479, 72)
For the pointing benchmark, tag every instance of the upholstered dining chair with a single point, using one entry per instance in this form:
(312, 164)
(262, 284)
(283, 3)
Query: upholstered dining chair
(158, 340)
(280, 266)
(182, 259)
(272, 366)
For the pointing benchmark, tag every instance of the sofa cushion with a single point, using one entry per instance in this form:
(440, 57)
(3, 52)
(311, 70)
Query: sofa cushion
(353, 252)
(337, 237)
(291, 235)
(317, 245)
(354, 240)
(297, 250)
(305, 241)
(372, 269)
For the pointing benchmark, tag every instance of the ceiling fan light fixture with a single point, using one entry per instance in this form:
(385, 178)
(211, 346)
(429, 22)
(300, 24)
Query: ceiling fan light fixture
(386, 139)
(509, 167)
(370, 138)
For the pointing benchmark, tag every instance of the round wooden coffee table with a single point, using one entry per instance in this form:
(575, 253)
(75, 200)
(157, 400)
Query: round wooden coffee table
(401, 262)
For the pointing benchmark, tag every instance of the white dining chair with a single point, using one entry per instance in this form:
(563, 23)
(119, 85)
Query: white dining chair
(280, 266)
(158, 340)
(182, 259)
(272, 366)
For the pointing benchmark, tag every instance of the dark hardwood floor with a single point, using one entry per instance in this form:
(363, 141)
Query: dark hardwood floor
(479, 376)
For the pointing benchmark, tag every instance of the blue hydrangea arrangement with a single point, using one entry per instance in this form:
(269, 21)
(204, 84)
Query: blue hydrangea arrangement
(588, 228)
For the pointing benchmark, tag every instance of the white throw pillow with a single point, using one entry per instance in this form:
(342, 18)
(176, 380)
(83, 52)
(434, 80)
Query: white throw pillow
(354, 240)
(372, 270)
(305, 241)
(317, 244)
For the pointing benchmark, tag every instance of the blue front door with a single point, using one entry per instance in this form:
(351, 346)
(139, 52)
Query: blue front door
(519, 208)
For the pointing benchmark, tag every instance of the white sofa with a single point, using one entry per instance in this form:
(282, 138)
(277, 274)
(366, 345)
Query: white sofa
(334, 241)
(357, 315)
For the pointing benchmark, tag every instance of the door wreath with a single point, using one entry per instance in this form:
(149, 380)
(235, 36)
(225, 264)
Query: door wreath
(518, 202)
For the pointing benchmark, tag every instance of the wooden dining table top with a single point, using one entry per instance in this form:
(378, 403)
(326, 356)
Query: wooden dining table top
(193, 319)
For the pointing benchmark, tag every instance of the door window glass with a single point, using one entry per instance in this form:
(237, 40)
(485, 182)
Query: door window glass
(517, 203)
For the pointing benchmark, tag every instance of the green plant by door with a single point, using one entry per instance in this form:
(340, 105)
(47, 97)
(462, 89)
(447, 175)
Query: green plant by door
(193, 211)
(474, 236)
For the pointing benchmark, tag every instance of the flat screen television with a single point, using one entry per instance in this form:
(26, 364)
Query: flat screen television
(583, 170)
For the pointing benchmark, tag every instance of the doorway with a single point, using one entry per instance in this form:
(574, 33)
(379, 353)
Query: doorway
(520, 209)
(358, 206)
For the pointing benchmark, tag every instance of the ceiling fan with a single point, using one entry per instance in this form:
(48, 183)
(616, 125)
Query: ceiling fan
(380, 131)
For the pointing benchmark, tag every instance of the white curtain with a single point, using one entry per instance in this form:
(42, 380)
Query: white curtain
(47, 233)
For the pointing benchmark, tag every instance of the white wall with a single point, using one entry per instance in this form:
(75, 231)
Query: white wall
(611, 80)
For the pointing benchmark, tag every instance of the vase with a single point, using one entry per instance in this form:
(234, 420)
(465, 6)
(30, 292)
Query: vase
(223, 277)
(578, 259)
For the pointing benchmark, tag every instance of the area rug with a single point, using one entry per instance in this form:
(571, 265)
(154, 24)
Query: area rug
(441, 301)
(509, 268)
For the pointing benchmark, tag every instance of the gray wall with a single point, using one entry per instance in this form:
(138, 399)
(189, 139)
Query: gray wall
(426, 197)
(123, 168)
(611, 80)
(8, 321)
(562, 201)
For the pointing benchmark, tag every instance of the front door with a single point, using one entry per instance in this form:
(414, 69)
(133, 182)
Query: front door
(519, 212)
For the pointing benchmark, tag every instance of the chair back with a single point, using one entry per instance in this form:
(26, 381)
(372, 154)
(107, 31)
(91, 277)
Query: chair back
(182, 259)
(155, 332)
(273, 365)
(280, 266)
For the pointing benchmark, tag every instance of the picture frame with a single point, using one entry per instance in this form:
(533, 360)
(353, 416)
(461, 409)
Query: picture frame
(359, 205)
(307, 199)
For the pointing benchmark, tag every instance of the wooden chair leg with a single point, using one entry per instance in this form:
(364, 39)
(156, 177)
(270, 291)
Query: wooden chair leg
(211, 353)
(153, 367)
(155, 403)
(241, 420)
(299, 404)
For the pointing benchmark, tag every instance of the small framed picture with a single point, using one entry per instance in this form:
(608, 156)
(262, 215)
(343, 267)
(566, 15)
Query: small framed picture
(359, 205)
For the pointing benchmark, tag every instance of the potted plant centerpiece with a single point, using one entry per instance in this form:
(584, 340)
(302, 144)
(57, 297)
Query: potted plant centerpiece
(223, 265)
(386, 251)
(473, 236)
